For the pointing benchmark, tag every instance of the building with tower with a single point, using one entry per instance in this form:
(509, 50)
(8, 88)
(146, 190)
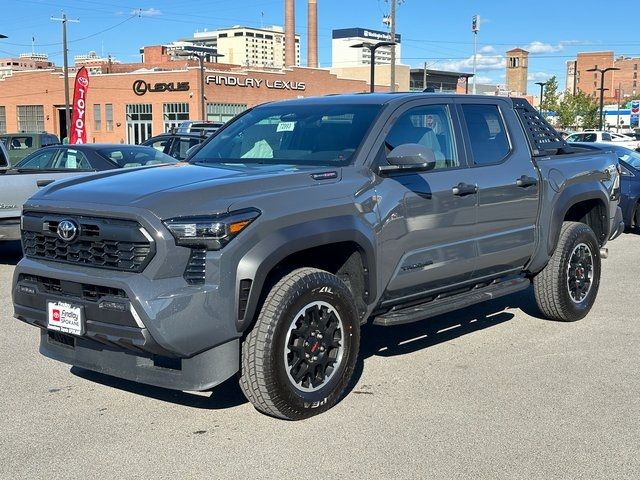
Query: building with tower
(517, 71)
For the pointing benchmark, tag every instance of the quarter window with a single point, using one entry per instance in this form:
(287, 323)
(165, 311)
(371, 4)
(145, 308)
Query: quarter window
(429, 126)
(487, 133)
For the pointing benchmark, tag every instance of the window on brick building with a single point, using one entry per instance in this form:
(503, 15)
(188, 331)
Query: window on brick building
(3, 120)
(31, 118)
(173, 114)
(635, 66)
(108, 116)
(97, 119)
(223, 112)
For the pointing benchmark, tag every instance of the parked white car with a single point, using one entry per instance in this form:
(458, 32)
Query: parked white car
(595, 136)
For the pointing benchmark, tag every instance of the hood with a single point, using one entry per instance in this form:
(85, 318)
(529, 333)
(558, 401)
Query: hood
(181, 189)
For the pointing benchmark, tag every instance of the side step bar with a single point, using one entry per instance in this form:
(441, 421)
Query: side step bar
(447, 304)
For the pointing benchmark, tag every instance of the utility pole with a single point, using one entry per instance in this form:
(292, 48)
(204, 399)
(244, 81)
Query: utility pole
(392, 22)
(424, 77)
(619, 97)
(475, 28)
(65, 51)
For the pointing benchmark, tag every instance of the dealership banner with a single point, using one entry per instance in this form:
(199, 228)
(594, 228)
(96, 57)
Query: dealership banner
(78, 117)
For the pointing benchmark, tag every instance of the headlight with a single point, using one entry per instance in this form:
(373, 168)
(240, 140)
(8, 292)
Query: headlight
(212, 231)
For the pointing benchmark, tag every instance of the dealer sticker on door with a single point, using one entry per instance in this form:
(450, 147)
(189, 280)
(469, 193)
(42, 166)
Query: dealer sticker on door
(65, 318)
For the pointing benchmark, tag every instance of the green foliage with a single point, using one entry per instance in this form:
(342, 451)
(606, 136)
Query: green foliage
(550, 96)
(579, 110)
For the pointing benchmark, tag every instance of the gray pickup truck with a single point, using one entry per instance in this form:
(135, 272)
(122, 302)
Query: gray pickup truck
(298, 222)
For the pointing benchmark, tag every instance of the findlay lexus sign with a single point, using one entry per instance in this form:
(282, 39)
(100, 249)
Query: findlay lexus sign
(140, 87)
(248, 82)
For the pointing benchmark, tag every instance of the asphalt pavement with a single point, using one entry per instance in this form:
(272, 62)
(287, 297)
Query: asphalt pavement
(491, 391)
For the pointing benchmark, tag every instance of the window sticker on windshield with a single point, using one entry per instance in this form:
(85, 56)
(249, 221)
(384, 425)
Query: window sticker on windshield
(286, 126)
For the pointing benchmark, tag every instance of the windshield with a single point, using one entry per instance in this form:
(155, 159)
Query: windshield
(629, 156)
(292, 134)
(127, 156)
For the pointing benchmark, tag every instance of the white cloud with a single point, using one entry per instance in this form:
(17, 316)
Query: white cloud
(540, 47)
(146, 12)
(484, 62)
(487, 49)
(538, 76)
(484, 79)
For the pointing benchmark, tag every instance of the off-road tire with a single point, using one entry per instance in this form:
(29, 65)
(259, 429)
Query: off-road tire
(551, 284)
(263, 376)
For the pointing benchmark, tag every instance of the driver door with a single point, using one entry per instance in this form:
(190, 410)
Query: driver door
(428, 218)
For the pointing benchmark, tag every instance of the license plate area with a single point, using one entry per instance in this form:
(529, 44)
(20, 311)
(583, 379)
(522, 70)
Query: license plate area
(65, 318)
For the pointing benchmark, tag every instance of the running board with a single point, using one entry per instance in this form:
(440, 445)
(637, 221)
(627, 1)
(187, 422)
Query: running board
(438, 306)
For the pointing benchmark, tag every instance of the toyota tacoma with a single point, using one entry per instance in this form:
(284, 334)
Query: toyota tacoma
(298, 222)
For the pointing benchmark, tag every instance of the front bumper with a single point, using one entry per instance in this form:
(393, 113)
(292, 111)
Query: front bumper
(200, 372)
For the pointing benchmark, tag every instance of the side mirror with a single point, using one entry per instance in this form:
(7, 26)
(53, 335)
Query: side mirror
(409, 157)
(191, 150)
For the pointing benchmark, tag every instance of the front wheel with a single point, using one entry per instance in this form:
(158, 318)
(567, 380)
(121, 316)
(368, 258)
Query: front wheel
(567, 287)
(300, 355)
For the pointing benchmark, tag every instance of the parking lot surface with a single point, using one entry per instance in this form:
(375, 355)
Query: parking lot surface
(491, 391)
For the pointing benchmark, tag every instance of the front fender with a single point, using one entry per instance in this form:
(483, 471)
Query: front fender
(260, 260)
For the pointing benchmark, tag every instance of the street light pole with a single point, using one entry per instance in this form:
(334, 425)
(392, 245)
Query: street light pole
(372, 49)
(602, 90)
(201, 53)
(542, 85)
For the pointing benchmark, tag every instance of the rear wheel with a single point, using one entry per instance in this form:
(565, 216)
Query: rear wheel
(567, 287)
(299, 357)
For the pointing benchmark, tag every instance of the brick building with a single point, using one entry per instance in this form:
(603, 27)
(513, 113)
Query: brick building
(517, 71)
(579, 79)
(130, 102)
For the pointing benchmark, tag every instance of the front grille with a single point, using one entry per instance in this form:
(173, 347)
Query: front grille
(101, 243)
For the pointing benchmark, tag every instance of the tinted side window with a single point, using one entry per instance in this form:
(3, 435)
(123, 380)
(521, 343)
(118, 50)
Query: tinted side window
(429, 126)
(589, 137)
(487, 133)
(606, 137)
(40, 160)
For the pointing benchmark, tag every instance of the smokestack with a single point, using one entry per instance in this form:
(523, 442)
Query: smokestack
(289, 33)
(312, 32)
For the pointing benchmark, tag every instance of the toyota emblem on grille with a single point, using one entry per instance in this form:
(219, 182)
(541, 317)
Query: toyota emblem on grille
(67, 230)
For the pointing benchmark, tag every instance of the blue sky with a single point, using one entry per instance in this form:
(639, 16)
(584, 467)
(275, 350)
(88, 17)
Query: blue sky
(435, 32)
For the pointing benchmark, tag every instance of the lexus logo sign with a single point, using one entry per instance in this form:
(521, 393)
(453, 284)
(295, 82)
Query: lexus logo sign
(67, 230)
(140, 87)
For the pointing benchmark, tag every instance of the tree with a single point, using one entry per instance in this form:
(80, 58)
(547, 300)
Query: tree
(579, 110)
(587, 110)
(550, 96)
(567, 110)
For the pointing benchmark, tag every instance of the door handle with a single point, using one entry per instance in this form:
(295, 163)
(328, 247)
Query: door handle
(525, 181)
(43, 183)
(463, 189)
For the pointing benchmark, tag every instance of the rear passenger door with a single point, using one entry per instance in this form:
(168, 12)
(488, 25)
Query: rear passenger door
(427, 218)
(507, 182)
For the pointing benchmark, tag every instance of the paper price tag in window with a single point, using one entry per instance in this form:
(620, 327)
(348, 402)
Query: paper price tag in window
(286, 126)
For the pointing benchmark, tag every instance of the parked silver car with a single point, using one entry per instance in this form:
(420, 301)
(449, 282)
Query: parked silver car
(48, 164)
